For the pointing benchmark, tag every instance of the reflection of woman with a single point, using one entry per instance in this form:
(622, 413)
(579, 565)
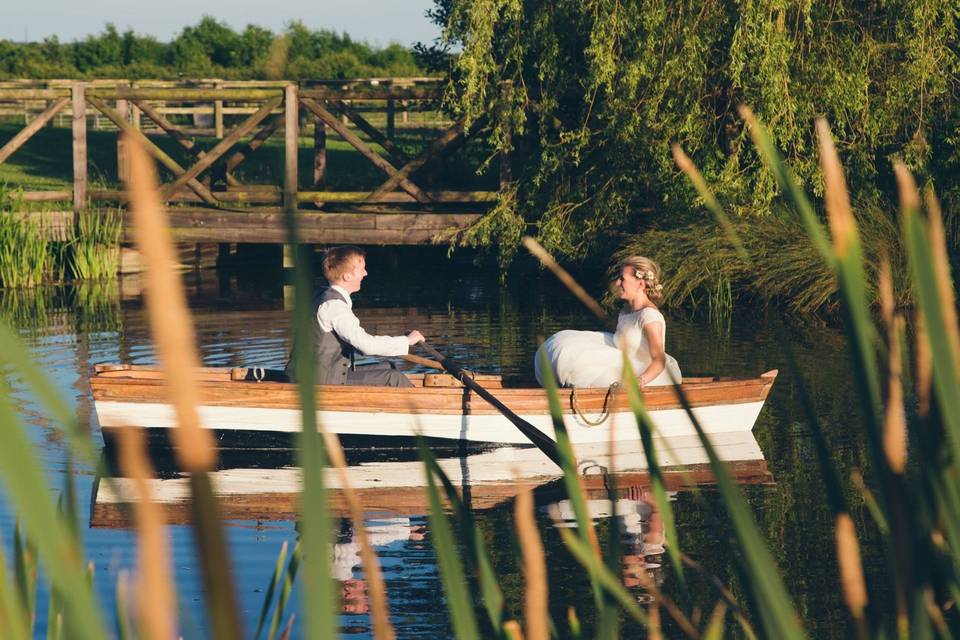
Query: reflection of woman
(595, 359)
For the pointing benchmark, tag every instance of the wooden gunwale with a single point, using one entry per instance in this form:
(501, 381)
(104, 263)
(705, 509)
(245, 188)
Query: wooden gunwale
(142, 386)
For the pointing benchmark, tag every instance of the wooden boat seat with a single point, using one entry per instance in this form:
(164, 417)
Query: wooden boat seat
(489, 381)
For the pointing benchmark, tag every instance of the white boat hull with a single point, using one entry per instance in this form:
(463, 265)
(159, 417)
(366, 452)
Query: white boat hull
(619, 426)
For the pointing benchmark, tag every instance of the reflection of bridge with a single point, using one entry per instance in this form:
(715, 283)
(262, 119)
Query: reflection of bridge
(209, 201)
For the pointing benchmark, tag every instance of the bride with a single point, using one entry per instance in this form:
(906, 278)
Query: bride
(594, 358)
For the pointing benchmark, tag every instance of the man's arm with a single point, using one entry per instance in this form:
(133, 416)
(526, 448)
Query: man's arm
(335, 315)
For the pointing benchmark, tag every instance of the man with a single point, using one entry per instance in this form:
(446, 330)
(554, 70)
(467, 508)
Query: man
(338, 334)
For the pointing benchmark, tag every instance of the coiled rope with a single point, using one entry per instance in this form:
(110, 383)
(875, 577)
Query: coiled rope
(605, 413)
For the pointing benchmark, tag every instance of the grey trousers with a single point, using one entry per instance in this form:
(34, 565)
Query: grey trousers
(382, 374)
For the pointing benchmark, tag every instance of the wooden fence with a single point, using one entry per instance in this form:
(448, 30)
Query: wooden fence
(210, 204)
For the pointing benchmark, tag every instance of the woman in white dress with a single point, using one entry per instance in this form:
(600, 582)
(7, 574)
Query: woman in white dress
(595, 359)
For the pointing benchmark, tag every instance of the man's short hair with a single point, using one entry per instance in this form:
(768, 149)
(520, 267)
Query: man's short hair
(339, 260)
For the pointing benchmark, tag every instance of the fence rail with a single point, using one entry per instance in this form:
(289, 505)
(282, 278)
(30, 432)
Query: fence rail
(361, 112)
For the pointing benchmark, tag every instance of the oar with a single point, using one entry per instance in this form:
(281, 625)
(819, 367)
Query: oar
(537, 437)
(424, 362)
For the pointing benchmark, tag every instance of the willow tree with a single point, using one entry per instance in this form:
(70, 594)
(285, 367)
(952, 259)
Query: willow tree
(590, 94)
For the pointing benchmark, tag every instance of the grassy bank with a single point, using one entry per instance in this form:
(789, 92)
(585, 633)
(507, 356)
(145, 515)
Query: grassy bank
(31, 255)
(44, 162)
(702, 269)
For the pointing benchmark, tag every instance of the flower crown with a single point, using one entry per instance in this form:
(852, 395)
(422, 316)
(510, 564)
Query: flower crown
(648, 276)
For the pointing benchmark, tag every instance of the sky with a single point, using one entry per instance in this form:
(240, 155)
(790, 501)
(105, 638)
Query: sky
(379, 22)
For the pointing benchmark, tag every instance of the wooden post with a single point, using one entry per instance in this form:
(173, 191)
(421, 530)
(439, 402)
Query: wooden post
(319, 153)
(391, 112)
(218, 113)
(123, 110)
(79, 106)
(291, 135)
(134, 112)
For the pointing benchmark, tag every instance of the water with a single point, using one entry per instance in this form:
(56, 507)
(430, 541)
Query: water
(466, 312)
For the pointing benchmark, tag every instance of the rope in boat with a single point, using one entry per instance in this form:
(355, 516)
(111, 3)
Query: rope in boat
(611, 390)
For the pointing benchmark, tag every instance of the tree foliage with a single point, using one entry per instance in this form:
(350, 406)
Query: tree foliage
(590, 94)
(210, 48)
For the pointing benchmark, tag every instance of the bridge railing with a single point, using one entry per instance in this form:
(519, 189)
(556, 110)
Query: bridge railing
(242, 117)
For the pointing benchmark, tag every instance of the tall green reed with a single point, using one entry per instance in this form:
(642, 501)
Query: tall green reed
(26, 256)
(95, 249)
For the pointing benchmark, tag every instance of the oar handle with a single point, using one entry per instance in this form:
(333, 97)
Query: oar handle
(424, 362)
(537, 437)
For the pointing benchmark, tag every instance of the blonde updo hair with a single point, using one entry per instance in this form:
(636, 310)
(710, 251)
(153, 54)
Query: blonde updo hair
(648, 271)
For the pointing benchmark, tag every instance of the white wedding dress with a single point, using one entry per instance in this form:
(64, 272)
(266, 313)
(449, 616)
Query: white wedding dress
(592, 358)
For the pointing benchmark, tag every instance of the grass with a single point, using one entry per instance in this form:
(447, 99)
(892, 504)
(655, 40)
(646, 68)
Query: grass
(705, 270)
(45, 162)
(95, 248)
(917, 499)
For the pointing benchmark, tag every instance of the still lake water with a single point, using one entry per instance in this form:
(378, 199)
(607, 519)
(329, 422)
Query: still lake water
(493, 327)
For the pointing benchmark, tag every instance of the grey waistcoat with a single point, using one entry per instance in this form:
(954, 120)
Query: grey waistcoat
(333, 356)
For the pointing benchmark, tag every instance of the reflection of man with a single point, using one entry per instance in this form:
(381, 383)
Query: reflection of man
(338, 334)
(381, 532)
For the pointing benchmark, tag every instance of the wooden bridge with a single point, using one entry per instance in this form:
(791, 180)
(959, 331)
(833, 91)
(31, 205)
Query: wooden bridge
(207, 199)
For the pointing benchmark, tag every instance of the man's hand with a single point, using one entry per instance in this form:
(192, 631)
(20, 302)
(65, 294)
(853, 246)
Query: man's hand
(415, 337)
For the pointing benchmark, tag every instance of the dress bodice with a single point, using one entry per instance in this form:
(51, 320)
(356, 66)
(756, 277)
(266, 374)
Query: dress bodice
(630, 334)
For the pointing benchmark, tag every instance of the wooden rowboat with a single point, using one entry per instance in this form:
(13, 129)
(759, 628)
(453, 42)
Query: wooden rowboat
(246, 412)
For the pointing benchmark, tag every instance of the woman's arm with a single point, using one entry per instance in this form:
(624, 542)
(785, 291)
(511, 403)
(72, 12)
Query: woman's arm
(658, 357)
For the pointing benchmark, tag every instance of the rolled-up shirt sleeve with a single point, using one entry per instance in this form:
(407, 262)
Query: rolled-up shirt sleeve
(336, 316)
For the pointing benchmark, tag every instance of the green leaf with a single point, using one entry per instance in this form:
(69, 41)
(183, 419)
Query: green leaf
(604, 577)
(647, 430)
(25, 568)
(14, 616)
(29, 494)
(214, 561)
(568, 463)
(271, 587)
(15, 354)
(774, 603)
(320, 596)
(489, 587)
(454, 581)
(289, 577)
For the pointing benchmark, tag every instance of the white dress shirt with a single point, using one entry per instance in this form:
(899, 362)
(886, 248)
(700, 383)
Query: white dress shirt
(338, 316)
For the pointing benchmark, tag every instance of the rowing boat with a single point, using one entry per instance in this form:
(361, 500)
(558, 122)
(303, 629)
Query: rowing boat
(249, 408)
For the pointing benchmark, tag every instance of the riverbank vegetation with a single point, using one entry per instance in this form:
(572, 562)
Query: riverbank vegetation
(208, 49)
(34, 253)
(590, 96)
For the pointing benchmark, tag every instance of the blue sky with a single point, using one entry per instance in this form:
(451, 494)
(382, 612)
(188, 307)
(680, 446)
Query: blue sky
(379, 22)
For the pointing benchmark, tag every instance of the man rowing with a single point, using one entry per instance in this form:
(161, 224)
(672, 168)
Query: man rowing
(338, 335)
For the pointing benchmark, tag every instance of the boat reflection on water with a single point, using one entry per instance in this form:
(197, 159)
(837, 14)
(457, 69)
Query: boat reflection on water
(395, 501)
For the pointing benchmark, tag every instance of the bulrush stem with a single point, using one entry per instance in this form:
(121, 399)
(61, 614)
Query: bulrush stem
(851, 569)
(170, 320)
(843, 227)
(156, 601)
(534, 569)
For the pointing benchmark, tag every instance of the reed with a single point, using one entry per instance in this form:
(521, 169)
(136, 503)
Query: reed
(94, 252)
(25, 254)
